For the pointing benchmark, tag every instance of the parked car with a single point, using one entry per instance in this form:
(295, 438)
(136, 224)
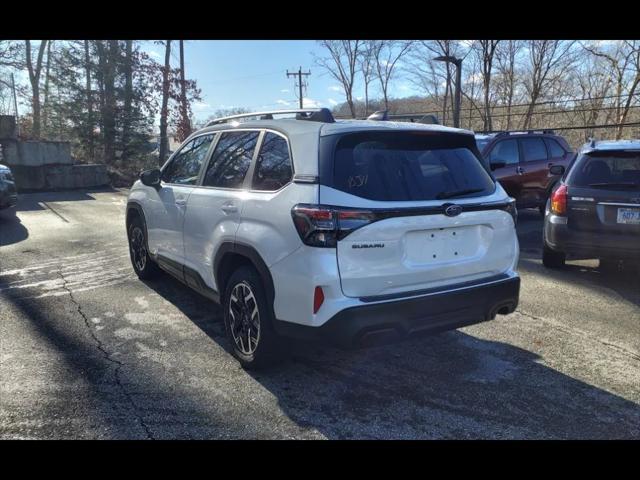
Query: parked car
(521, 162)
(315, 228)
(595, 210)
(8, 192)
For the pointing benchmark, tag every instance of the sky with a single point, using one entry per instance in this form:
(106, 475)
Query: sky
(252, 74)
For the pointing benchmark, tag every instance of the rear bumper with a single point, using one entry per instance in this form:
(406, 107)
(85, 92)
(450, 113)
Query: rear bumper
(561, 238)
(454, 308)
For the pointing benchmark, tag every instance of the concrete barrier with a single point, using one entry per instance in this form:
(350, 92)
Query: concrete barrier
(36, 154)
(49, 166)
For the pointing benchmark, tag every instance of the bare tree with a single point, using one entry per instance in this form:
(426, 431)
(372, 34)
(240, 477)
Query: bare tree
(366, 64)
(548, 61)
(592, 83)
(506, 55)
(435, 78)
(485, 51)
(342, 64)
(34, 79)
(386, 54)
(624, 64)
(164, 112)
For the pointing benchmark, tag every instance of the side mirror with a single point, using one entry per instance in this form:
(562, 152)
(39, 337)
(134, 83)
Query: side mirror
(496, 164)
(151, 178)
(556, 170)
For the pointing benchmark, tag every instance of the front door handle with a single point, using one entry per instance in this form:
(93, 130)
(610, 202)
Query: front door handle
(181, 202)
(519, 170)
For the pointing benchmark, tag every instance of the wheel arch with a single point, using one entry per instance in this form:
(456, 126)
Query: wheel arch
(134, 209)
(230, 256)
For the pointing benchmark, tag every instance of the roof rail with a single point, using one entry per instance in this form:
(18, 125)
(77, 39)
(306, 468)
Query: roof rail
(383, 115)
(380, 115)
(311, 114)
(519, 132)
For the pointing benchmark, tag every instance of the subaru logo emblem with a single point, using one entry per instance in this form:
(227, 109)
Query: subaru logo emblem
(452, 210)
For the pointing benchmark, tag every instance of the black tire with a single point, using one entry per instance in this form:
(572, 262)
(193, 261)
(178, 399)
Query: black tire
(142, 263)
(552, 259)
(252, 338)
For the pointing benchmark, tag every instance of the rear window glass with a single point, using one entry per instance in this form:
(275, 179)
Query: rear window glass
(597, 168)
(405, 166)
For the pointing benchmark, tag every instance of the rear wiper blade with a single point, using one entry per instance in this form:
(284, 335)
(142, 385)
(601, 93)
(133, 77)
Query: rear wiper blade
(615, 184)
(458, 193)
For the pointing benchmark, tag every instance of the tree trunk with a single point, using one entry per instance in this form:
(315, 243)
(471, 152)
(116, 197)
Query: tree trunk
(164, 141)
(185, 126)
(109, 112)
(34, 79)
(45, 109)
(128, 94)
(90, 124)
(366, 99)
(101, 90)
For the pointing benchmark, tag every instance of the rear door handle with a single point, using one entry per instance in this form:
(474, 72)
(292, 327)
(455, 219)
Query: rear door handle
(181, 202)
(519, 170)
(229, 208)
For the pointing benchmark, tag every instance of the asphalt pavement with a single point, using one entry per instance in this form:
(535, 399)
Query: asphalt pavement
(89, 351)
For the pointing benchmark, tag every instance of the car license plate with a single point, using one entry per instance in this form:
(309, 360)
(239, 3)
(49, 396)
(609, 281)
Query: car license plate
(629, 215)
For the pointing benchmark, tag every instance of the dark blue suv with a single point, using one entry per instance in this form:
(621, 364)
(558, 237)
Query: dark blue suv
(595, 210)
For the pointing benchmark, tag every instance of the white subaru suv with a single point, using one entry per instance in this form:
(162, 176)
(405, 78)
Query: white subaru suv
(307, 227)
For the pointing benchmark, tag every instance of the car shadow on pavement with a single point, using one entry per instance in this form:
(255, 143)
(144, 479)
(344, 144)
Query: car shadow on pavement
(450, 385)
(31, 201)
(11, 228)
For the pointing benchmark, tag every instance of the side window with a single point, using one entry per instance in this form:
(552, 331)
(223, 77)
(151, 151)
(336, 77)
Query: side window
(231, 159)
(533, 150)
(554, 148)
(185, 165)
(505, 151)
(273, 166)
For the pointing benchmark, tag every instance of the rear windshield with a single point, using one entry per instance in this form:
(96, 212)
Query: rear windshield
(399, 166)
(603, 169)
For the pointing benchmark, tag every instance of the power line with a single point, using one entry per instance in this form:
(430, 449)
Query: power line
(550, 102)
(584, 127)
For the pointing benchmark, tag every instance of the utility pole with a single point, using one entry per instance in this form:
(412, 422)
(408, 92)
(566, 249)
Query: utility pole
(15, 104)
(300, 83)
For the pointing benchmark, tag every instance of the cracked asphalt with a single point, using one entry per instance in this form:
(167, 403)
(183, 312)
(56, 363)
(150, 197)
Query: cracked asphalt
(89, 351)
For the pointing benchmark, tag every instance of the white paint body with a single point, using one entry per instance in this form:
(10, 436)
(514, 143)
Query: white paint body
(468, 247)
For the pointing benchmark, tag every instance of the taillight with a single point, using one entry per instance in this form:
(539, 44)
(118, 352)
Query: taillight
(322, 226)
(559, 201)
